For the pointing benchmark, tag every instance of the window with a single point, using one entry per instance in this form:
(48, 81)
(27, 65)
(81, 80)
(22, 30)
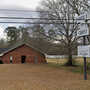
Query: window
(11, 59)
(23, 59)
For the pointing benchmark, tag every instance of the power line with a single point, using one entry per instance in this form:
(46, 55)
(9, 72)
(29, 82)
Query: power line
(26, 18)
(29, 23)
(37, 18)
(36, 22)
(18, 10)
(39, 22)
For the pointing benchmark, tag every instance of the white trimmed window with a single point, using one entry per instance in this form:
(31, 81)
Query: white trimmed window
(11, 59)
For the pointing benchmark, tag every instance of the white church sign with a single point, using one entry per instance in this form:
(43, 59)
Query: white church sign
(84, 51)
(82, 18)
(83, 31)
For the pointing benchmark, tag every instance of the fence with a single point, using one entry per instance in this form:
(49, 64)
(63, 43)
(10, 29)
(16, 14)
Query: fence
(58, 56)
(58, 59)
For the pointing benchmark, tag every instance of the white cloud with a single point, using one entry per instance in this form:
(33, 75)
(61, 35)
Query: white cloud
(29, 4)
(18, 5)
(2, 34)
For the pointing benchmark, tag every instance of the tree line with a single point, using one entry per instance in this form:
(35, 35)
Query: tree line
(33, 36)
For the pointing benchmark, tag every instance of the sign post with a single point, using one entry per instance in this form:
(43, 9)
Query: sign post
(85, 62)
(84, 50)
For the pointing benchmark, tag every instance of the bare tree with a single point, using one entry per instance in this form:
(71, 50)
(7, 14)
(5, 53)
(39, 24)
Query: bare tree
(79, 6)
(63, 14)
(38, 40)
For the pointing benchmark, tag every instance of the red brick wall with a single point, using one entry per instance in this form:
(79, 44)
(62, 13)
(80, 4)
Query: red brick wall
(20, 51)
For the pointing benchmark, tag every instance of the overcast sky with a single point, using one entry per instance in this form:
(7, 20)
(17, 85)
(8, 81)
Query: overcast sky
(18, 5)
(29, 4)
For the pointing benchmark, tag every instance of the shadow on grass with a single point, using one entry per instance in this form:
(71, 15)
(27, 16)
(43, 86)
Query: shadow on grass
(54, 65)
(75, 68)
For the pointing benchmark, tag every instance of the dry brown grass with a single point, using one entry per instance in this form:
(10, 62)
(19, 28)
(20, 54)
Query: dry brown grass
(62, 61)
(40, 77)
(55, 61)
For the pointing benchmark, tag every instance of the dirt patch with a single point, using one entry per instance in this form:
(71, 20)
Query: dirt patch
(40, 77)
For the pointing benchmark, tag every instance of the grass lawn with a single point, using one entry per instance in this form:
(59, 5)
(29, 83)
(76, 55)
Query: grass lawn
(40, 77)
(59, 63)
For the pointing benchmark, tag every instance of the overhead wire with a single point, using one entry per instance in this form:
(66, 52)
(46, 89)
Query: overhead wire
(29, 18)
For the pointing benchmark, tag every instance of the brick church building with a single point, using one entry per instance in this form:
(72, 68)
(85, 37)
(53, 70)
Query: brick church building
(22, 53)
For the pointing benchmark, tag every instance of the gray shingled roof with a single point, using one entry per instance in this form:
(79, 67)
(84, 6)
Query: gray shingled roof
(3, 51)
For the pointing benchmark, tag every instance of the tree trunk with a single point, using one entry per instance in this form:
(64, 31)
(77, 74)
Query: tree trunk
(69, 63)
(70, 60)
